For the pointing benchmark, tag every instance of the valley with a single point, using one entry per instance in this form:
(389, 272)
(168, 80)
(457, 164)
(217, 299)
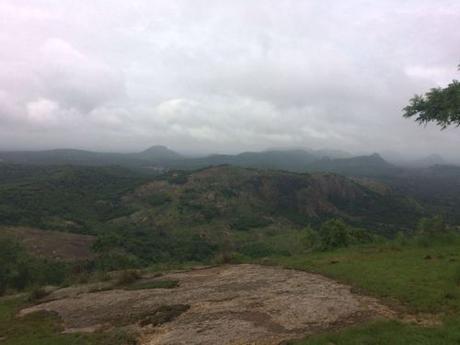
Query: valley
(226, 254)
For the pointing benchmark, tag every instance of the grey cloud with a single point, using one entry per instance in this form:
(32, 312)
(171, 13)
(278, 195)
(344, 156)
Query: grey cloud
(74, 79)
(223, 76)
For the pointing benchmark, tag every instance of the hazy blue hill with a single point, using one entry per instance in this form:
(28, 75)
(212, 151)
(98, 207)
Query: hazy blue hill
(364, 166)
(293, 160)
(157, 159)
(298, 161)
(333, 154)
(320, 153)
(289, 160)
(436, 187)
(67, 156)
(157, 153)
(428, 161)
(153, 155)
(161, 157)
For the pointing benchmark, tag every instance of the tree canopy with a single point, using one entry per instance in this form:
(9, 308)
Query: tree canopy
(439, 105)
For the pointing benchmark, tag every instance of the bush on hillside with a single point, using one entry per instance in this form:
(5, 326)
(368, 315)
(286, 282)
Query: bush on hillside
(362, 236)
(333, 234)
(37, 294)
(432, 226)
(19, 270)
(310, 238)
(128, 277)
(256, 250)
(248, 221)
(457, 275)
(158, 199)
(116, 259)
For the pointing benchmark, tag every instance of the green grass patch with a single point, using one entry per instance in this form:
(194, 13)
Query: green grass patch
(43, 328)
(388, 332)
(423, 279)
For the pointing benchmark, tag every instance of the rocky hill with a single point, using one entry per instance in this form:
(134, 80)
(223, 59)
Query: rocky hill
(241, 199)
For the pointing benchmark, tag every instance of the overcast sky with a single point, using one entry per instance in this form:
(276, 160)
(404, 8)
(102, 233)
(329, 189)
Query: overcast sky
(224, 76)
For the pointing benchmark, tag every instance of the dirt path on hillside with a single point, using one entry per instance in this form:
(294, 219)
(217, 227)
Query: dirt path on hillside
(227, 305)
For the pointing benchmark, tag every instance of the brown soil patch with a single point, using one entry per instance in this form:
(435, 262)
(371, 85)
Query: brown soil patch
(228, 305)
(52, 244)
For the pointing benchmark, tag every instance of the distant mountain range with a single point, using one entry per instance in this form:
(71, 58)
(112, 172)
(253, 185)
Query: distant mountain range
(155, 155)
(429, 161)
(160, 158)
(434, 184)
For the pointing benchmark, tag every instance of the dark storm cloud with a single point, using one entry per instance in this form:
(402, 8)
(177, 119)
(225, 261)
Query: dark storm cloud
(223, 76)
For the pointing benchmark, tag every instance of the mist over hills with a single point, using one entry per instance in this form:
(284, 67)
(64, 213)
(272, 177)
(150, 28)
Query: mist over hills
(153, 155)
(436, 186)
(160, 157)
(428, 161)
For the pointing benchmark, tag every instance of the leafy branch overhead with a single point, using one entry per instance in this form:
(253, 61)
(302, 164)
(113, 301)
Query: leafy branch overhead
(439, 105)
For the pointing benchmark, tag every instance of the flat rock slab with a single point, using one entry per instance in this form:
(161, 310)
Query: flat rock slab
(237, 304)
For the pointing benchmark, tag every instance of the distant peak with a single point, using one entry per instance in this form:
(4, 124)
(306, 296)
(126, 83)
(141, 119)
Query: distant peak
(430, 160)
(157, 148)
(159, 152)
(376, 156)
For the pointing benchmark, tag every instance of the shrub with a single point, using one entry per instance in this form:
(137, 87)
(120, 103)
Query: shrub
(37, 293)
(248, 221)
(9, 255)
(158, 199)
(401, 239)
(310, 238)
(178, 177)
(122, 337)
(82, 278)
(457, 275)
(361, 236)
(18, 270)
(223, 257)
(432, 226)
(255, 250)
(334, 233)
(116, 260)
(128, 277)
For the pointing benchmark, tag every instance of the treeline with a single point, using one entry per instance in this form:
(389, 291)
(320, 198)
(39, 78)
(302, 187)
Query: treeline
(19, 270)
(64, 198)
(125, 248)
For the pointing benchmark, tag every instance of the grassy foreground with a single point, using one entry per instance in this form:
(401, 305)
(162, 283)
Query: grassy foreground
(423, 279)
(419, 277)
(44, 329)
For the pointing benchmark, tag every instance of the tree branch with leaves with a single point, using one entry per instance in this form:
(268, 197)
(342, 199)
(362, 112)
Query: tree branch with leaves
(439, 105)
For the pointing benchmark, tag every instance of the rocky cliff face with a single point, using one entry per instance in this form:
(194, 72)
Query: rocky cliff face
(224, 193)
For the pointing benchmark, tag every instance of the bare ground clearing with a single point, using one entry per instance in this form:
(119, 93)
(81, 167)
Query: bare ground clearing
(228, 305)
(52, 244)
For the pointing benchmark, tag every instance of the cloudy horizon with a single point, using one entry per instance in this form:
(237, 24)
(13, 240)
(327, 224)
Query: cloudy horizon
(227, 76)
